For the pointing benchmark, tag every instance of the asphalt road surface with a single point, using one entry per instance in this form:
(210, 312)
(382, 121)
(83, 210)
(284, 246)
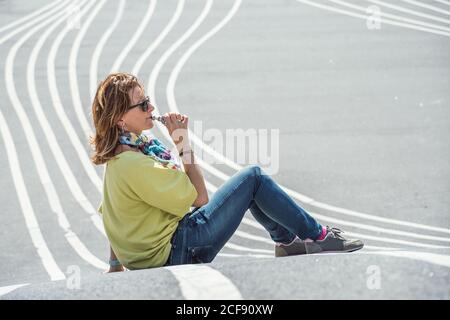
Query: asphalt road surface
(350, 98)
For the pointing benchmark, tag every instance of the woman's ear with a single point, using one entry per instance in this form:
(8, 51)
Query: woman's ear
(121, 124)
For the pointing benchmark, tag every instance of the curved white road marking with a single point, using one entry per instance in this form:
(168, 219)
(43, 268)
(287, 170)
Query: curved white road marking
(392, 16)
(55, 202)
(236, 247)
(93, 73)
(34, 21)
(351, 234)
(31, 222)
(220, 157)
(365, 17)
(356, 235)
(352, 213)
(80, 148)
(427, 6)
(249, 222)
(61, 161)
(151, 89)
(233, 255)
(199, 282)
(433, 258)
(8, 289)
(255, 224)
(41, 166)
(308, 198)
(29, 16)
(378, 229)
(409, 11)
(138, 65)
(73, 74)
(443, 2)
(136, 35)
(311, 201)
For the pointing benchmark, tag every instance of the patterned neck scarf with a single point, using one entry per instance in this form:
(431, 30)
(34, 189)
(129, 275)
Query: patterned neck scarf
(151, 147)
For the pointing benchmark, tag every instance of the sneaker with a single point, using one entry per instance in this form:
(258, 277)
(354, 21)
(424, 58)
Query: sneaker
(296, 247)
(333, 242)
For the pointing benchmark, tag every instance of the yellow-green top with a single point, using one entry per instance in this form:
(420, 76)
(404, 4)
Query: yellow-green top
(143, 201)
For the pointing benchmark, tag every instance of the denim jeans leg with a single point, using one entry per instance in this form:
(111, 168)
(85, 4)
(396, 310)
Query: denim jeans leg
(279, 207)
(277, 232)
(213, 224)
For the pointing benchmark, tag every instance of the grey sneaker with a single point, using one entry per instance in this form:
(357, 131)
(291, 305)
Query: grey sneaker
(296, 247)
(333, 242)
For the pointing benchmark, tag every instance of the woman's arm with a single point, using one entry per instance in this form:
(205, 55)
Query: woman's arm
(177, 126)
(194, 173)
(113, 257)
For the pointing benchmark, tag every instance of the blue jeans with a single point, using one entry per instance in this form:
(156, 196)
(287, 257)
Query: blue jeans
(202, 233)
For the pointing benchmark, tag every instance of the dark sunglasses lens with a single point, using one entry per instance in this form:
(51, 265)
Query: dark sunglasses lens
(144, 105)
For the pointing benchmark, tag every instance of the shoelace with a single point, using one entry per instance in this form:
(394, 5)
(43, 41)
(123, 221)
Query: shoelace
(336, 232)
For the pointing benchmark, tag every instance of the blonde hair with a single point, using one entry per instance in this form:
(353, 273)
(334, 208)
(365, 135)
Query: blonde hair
(111, 101)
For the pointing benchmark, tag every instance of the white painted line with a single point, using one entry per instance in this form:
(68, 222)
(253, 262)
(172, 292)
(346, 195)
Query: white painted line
(365, 17)
(68, 175)
(31, 222)
(28, 17)
(369, 247)
(255, 224)
(199, 282)
(392, 16)
(39, 160)
(355, 235)
(433, 258)
(317, 204)
(246, 235)
(93, 73)
(352, 213)
(151, 87)
(34, 21)
(222, 159)
(80, 148)
(443, 2)
(8, 289)
(232, 255)
(378, 229)
(61, 161)
(427, 6)
(73, 74)
(136, 35)
(409, 11)
(154, 44)
(236, 247)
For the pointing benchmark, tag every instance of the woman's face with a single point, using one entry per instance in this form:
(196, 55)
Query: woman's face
(135, 119)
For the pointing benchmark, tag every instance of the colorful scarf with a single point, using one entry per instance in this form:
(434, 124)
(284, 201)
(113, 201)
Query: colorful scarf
(151, 147)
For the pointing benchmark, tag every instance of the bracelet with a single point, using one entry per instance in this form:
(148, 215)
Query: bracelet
(114, 263)
(184, 152)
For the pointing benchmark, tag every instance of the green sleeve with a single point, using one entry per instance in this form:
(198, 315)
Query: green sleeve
(161, 187)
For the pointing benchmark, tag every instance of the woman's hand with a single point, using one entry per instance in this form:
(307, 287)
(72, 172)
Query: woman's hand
(177, 125)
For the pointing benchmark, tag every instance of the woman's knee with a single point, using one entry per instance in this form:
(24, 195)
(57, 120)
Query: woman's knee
(253, 169)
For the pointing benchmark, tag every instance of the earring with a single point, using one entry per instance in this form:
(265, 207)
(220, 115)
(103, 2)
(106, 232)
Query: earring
(123, 128)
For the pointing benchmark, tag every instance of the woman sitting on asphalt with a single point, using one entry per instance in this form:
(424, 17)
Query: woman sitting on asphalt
(147, 196)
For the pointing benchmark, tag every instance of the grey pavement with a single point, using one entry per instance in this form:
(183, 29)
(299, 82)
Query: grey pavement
(363, 121)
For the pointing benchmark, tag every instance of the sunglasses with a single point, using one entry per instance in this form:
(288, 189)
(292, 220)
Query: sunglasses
(144, 105)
